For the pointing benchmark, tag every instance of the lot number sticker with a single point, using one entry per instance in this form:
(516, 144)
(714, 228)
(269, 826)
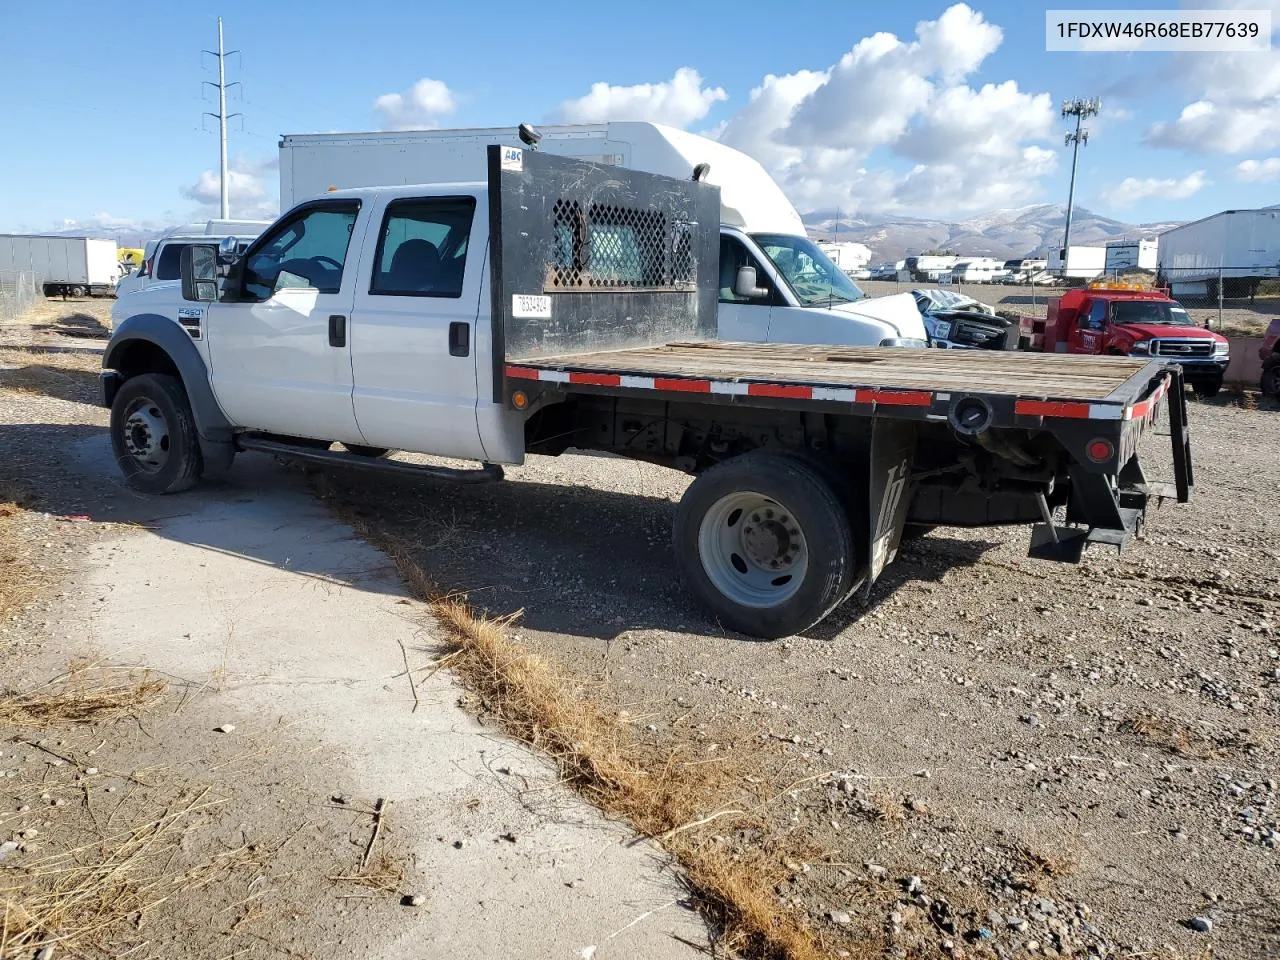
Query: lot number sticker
(527, 306)
(512, 159)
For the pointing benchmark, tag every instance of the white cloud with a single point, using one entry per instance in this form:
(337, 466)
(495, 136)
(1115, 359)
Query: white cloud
(1259, 171)
(251, 189)
(823, 133)
(1205, 126)
(1132, 189)
(677, 102)
(418, 108)
(1238, 96)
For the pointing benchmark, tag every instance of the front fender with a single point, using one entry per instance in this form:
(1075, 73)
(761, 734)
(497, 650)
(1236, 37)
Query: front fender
(125, 352)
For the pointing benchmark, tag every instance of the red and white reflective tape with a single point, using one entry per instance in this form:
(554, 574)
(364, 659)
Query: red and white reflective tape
(1063, 409)
(731, 388)
(1078, 410)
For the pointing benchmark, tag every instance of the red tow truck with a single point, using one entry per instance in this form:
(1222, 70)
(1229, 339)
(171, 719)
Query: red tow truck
(1121, 319)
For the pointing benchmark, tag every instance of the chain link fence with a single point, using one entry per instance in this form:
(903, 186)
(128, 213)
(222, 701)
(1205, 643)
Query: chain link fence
(17, 293)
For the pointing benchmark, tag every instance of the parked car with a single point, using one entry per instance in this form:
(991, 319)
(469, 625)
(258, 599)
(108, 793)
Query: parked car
(956, 321)
(161, 256)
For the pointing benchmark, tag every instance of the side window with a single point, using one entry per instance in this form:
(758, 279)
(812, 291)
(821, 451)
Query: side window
(1097, 315)
(733, 255)
(307, 252)
(169, 263)
(422, 250)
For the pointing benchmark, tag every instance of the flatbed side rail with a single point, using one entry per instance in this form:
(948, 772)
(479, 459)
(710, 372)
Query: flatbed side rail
(1131, 415)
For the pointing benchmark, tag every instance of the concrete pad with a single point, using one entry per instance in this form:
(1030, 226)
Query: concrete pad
(250, 581)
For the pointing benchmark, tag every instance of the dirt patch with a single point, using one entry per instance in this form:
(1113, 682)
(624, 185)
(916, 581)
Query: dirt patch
(989, 751)
(665, 792)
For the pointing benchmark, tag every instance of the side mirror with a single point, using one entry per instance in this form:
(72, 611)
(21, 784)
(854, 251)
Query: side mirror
(227, 249)
(199, 270)
(744, 284)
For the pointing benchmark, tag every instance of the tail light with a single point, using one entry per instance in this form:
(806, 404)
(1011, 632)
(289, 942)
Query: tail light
(1099, 450)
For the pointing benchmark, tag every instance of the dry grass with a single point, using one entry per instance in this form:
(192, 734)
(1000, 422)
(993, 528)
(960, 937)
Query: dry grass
(87, 693)
(1167, 732)
(1036, 868)
(89, 897)
(54, 373)
(662, 794)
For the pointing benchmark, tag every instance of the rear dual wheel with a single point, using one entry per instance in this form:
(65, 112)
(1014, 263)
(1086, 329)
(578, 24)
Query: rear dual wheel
(765, 544)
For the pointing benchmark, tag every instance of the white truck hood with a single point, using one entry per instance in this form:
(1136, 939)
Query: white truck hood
(898, 310)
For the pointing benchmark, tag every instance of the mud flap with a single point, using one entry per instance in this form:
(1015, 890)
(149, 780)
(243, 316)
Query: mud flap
(892, 450)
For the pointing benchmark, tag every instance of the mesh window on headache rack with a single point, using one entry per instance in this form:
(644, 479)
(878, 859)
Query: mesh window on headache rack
(615, 246)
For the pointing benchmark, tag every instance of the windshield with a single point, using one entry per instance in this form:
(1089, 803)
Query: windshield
(1150, 311)
(813, 278)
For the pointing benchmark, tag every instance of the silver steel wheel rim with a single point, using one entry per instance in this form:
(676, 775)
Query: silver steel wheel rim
(753, 549)
(146, 435)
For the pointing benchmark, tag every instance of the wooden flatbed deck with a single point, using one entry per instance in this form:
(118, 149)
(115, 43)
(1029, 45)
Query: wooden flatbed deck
(1060, 376)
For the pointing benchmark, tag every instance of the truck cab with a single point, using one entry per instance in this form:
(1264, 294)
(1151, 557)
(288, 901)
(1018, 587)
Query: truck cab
(1117, 320)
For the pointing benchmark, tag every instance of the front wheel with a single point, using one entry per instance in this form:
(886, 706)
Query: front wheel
(1206, 391)
(153, 434)
(765, 545)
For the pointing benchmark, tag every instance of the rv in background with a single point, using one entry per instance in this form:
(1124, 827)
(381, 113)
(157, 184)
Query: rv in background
(928, 269)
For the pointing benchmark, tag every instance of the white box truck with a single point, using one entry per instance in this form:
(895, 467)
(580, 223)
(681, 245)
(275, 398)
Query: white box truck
(1131, 255)
(1079, 263)
(66, 266)
(797, 294)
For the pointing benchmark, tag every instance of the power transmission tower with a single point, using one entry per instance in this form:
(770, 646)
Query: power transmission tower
(222, 117)
(1080, 109)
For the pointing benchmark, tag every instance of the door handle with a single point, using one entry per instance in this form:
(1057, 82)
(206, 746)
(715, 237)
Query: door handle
(459, 339)
(337, 330)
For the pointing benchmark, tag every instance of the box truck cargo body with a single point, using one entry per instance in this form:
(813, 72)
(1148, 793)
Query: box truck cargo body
(1132, 255)
(776, 285)
(1081, 263)
(72, 266)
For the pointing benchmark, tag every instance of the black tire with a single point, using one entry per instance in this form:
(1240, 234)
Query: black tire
(76, 291)
(1269, 383)
(804, 495)
(1207, 391)
(153, 434)
(362, 451)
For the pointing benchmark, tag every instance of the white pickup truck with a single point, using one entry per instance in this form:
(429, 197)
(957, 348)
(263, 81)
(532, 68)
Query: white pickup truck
(568, 304)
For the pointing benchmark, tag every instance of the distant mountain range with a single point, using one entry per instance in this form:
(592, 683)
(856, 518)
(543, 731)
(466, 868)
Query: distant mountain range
(1016, 232)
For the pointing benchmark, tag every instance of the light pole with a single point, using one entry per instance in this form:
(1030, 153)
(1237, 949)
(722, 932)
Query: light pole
(1080, 109)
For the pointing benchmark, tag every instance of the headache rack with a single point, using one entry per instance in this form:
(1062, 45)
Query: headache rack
(588, 257)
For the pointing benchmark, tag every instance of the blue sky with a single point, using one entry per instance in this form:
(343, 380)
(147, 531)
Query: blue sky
(103, 123)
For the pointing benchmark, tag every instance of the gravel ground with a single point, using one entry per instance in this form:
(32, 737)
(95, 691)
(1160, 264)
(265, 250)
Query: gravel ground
(1067, 758)
(995, 756)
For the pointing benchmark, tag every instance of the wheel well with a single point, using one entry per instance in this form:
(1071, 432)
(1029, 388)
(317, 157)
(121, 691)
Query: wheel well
(142, 356)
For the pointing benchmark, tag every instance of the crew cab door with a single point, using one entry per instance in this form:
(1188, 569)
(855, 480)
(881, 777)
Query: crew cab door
(1089, 332)
(738, 317)
(278, 342)
(413, 336)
